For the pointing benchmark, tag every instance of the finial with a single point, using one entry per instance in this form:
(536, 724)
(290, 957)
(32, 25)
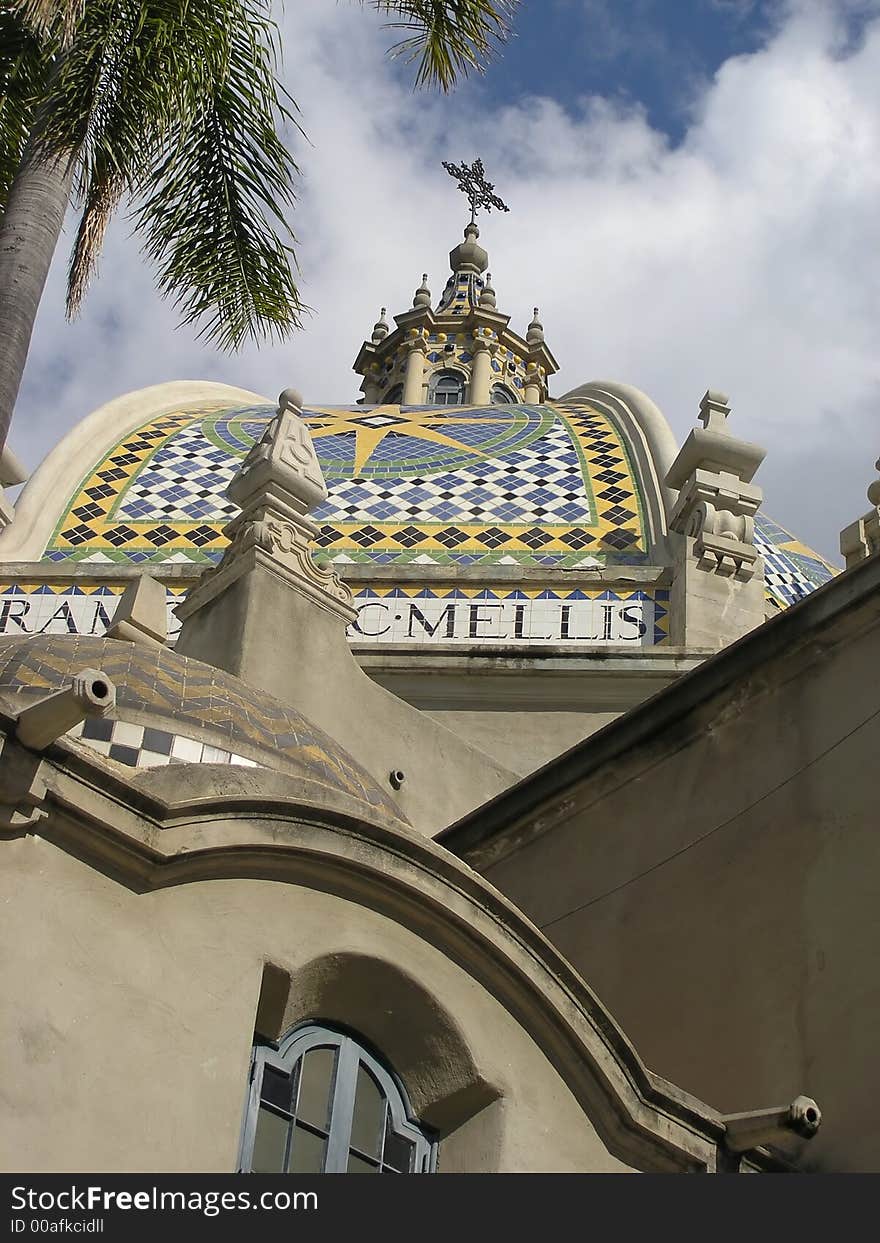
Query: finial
(472, 181)
(469, 255)
(874, 488)
(861, 538)
(487, 297)
(380, 328)
(423, 293)
(535, 334)
(714, 409)
(290, 399)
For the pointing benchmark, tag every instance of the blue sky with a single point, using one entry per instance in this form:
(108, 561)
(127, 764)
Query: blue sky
(653, 54)
(693, 188)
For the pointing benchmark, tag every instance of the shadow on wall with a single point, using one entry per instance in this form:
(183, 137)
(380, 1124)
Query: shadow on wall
(396, 1014)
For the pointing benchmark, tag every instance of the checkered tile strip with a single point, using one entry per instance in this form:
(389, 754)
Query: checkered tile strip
(139, 746)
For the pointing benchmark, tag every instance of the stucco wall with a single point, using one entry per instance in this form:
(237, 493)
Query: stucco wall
(523, 741)
(715, 871)
(129, 1017)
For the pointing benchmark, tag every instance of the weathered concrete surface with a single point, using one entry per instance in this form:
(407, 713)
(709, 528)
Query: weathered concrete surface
(523, 741)
(128, 1043)
(711, 863)
(279, 641)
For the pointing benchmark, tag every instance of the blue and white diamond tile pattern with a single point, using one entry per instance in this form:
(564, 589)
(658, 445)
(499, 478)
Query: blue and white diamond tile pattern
(791, 569)
(551, 486)
(541, 482)
(185, 481)
(532, 485)
(139, 746)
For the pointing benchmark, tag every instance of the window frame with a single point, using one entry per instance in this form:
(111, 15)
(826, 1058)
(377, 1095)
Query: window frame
(510, 398)
(447, 373)
(351, 1053)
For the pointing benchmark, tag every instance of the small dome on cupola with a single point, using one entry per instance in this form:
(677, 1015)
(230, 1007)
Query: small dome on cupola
(380, 328)
(469, 256)
(487, 297)
(535, 334)
(423, 294)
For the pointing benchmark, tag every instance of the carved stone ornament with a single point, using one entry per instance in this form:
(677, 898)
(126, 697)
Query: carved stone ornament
(861, 538)
(716, 500)
(284, 459)
(279, 482)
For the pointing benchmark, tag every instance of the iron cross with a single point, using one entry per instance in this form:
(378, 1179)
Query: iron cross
(472, 181)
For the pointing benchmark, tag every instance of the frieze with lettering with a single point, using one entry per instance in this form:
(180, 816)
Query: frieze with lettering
(388, 615)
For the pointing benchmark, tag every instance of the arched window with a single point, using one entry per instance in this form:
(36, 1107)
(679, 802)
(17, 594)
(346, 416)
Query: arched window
(323, 1104)
(446, 388)
(501, 394)
(393, 396)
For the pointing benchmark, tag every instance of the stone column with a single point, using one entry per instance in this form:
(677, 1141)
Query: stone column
(532, 391)
(481, 374)
(414, 375)
(370, 392)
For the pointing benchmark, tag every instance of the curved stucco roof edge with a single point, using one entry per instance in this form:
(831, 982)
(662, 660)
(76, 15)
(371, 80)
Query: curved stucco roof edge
(650, 439)
(47, 493)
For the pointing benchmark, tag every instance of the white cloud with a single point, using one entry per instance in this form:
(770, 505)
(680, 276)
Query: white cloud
(747, 258)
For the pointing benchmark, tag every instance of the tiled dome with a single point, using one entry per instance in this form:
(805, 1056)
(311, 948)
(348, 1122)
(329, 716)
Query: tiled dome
(179, 697)
(551, 485)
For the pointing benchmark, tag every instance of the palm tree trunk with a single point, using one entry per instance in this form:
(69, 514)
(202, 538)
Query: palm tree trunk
(29, 232)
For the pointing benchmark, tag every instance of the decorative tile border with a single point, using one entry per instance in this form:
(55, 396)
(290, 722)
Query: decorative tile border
(139, 746)
(78, 607)
(388, 613)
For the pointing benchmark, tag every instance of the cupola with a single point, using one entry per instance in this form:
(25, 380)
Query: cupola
(463, 351)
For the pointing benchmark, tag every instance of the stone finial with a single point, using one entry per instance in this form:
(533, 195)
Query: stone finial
(714, 410)
(142, 614)
(861, 538)
(716, 498)
(874, 488)
(290, 399)
(283, 464)
(279, 483)
(535, 334)
(487, 295)
(422, 295)
(380, 328)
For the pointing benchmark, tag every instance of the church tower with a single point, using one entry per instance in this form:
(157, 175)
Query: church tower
(463, 352)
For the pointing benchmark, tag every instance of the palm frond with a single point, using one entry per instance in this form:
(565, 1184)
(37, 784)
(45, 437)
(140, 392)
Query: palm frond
(22, 75)
(448, 38)
(213, 211)
(45, 16)
(176, 106)
(101, 200)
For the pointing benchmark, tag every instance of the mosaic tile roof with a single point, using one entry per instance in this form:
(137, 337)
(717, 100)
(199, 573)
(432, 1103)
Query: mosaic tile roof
(193, 698)
(535, 485)
(549, 485)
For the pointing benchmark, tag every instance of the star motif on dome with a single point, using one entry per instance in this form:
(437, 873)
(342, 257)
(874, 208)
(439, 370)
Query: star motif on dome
(371, 429)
